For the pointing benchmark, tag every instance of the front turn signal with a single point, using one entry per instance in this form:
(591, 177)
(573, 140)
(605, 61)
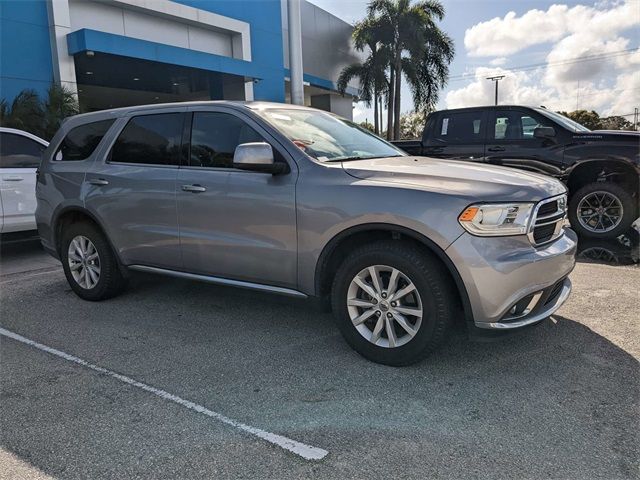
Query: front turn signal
(468, 214)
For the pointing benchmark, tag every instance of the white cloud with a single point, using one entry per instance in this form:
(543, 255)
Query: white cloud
(512, 33)
(588, 63)
(515, 88)
(583, 56)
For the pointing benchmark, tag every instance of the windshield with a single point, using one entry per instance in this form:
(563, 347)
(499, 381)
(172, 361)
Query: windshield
(564, 121)
(326, 137)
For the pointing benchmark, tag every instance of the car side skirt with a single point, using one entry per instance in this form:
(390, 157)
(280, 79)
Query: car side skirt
(220, 281)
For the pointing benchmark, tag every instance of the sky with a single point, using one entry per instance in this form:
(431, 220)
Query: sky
(575, 54)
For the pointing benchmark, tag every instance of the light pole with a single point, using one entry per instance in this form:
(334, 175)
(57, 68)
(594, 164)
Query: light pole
(496, 79)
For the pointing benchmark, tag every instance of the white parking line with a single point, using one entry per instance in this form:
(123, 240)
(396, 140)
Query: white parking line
(305, 451)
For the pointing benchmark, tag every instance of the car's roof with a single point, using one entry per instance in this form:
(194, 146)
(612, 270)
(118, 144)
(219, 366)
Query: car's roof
(492, 107)
(24, 134)
(159, 106)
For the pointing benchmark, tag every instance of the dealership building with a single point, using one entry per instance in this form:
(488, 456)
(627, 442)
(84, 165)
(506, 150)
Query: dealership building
(116, 53)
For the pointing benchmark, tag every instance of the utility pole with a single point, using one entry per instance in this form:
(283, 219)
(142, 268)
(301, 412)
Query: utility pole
(496, 79)
(295, 52)
(636, 114)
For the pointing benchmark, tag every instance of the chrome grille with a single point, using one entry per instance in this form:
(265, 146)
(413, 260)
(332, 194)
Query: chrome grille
(548, 220)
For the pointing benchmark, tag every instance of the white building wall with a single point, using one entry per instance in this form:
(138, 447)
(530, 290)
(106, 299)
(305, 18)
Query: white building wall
(149, 25)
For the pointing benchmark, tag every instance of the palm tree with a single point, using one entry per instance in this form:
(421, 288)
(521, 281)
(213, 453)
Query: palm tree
(59, 104)
(24, 113)
(41, 117)
(419, 50)
(371, 72)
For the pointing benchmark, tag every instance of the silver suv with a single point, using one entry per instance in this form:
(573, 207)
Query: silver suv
(297, 201)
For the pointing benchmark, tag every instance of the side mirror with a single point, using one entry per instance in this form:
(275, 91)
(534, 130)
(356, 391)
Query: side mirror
(544, 132)
(257, 157)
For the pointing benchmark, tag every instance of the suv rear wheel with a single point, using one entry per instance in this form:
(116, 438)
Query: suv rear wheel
(89, 263)
(393, 303)
(601, 210)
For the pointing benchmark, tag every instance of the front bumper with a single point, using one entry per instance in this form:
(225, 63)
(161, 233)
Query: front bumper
(509, 282)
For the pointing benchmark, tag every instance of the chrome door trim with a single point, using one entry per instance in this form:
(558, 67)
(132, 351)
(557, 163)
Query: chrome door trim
(220, 281)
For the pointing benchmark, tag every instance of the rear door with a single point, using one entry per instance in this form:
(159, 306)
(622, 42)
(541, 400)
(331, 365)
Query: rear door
(510, 142)
(458, 135)
(235, 224)
(19, 159)
(132, 188)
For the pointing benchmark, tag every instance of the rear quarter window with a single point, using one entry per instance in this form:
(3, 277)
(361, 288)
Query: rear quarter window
(460, 128)
(82, 141)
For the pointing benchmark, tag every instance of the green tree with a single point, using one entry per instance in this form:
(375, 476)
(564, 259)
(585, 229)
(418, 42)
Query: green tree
(367, 126)
(41, 117)
(616, 123)
(412, 125)
(370, 73)
(589, 119)
(59, 104)
(24, 113)
(419, 50)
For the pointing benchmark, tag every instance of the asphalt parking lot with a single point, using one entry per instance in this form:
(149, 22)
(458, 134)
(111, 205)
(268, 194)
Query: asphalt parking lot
(558, 401)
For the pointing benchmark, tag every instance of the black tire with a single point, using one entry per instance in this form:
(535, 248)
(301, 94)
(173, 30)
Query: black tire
(433, 283)
(110, 281)
(629, 206)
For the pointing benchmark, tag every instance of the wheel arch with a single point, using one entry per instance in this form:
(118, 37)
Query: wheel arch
(73, 214)
(342, 243)
(588, 171)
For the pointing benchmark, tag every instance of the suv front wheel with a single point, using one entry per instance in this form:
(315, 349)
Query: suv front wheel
(393, 302)
(89, 263)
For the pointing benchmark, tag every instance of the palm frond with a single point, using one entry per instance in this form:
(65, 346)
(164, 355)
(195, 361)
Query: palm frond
(59, 104)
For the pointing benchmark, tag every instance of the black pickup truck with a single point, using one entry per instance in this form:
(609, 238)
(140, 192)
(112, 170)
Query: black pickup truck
(600, 168)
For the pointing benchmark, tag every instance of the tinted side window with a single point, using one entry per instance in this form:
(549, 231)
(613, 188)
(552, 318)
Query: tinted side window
(81, 141)
(463, 127)
(17, 151)
(514, 125)
(215, 136)
(150, 139)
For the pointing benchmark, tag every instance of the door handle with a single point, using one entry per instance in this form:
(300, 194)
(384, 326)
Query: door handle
(194, 188)
(13, 178)
(98, 181)
(495, 149)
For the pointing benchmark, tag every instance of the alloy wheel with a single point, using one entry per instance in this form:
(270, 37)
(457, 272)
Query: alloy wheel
(384, 306)
(84, 262)
(600, 212)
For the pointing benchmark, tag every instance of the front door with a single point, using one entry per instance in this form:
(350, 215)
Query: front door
(235, 224)
(511, 143)
(458, 135)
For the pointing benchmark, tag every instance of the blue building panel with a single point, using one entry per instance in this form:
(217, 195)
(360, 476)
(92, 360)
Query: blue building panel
(267, 54)
(26, 61)
(25, 48)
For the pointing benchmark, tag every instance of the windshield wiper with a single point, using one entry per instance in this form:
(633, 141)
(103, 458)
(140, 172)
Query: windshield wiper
(346, 159)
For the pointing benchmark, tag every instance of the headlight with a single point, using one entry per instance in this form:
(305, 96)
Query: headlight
(496, 219)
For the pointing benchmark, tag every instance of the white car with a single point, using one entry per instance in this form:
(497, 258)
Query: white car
(20, 154)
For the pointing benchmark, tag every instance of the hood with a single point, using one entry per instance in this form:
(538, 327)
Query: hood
(477, 182)
(625, 136)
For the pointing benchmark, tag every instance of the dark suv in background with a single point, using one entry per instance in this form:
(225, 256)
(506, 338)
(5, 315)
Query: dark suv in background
(600, 168)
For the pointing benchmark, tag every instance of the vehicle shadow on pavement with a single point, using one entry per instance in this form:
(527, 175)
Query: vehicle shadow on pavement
(555, 401)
